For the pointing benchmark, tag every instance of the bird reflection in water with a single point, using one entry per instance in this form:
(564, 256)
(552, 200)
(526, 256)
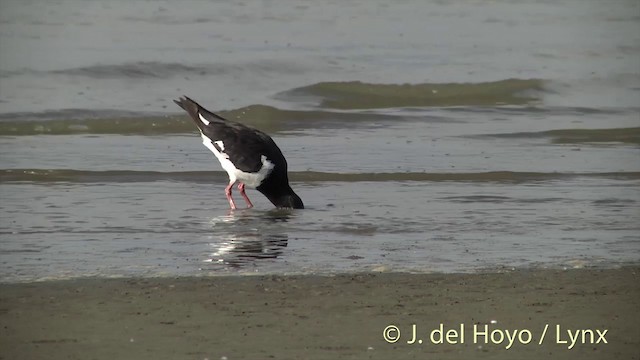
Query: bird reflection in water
(243, 238)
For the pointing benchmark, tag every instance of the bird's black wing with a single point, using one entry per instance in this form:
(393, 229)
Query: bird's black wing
(244, 145)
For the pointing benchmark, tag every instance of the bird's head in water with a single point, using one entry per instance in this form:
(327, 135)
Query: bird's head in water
(285, 200)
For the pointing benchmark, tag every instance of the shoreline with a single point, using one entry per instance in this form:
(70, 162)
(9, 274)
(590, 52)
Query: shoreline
(327, 316)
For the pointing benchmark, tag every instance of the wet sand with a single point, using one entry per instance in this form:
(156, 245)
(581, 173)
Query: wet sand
(325, 317)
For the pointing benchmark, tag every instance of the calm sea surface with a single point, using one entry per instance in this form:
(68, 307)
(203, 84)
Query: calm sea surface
(441, 136)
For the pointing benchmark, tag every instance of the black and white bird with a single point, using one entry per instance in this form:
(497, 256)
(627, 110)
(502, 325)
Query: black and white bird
(249, 156)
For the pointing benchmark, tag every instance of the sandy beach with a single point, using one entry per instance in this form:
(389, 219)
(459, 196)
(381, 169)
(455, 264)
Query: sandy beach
(595, 312)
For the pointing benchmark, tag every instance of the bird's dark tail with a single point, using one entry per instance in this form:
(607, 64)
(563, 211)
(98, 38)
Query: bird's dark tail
(195, 110)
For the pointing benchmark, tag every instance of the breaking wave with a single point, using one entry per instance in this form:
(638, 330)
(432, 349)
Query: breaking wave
(267, 118)
(575, 136)
(359, 95)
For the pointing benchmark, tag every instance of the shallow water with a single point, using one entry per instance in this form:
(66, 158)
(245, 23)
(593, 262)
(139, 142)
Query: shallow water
(349, 226)
(515, 144)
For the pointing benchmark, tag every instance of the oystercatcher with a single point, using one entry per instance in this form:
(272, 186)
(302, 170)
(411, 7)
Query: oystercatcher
(249, 156)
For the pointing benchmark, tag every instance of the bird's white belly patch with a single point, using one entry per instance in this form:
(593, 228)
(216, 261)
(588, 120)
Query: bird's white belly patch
(252, 180)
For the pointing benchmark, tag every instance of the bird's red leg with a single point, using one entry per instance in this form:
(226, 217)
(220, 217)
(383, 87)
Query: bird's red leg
(244, 195)
(227, 192)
